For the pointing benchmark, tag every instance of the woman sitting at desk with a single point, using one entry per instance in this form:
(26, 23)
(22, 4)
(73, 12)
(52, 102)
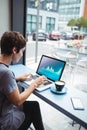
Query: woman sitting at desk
(12, 116)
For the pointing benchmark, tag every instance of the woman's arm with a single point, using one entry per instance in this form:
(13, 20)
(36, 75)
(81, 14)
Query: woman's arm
(23, 77)
(18, 98)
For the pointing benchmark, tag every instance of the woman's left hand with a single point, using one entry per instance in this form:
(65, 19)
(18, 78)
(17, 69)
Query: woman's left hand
(24, 77)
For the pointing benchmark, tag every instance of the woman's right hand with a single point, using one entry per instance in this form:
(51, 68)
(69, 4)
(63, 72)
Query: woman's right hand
(40, 80)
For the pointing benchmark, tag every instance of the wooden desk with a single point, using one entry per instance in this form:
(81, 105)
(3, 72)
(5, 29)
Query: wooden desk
(60, 102)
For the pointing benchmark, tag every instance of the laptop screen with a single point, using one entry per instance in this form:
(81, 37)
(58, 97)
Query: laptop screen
(51, 68)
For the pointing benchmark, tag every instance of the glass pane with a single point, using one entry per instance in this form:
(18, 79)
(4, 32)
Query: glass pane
(47, 28)
(48, 20)
(29, 18)
(52, 21)
(53, 15)
(33, 18)
(28, 28)
(33, 27)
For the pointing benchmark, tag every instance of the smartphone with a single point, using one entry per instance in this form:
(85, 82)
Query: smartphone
(77, 104)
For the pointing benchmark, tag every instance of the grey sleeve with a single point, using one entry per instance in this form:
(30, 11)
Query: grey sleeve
(8, 82)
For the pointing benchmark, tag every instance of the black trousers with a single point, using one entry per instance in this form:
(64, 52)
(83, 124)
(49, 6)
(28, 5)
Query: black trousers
(32, 115)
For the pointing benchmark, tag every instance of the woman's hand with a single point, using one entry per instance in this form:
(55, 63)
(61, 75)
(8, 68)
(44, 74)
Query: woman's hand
(24, 77)
(38, 81)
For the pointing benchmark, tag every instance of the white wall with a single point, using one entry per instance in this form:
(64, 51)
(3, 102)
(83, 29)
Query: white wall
(4, 16)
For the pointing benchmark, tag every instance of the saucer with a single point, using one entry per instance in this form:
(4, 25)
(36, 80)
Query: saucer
(63, 91)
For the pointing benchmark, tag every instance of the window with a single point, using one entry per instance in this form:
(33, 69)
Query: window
(50, 24)
(31, 3)
(31, 23)
(52, 5)
(53, 15)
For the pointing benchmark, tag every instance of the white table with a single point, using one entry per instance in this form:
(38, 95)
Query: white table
(60, 102)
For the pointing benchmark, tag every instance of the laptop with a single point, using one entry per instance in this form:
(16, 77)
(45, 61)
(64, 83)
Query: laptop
(50, 67)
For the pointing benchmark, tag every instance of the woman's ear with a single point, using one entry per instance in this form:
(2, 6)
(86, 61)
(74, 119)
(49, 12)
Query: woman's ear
(14, 50)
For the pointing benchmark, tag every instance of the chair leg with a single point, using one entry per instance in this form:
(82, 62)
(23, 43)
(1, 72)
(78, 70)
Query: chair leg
(73, 123)
(80, 127)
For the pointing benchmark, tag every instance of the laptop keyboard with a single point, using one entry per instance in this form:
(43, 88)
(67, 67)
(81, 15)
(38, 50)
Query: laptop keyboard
(34, 76)
(47, 83)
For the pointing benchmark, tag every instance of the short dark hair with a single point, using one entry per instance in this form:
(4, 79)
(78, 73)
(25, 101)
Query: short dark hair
(11, 39)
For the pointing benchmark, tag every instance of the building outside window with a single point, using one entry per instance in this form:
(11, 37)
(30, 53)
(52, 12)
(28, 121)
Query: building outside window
(49, 5)
(61, 10)
(68, 10)
(52, 5)
(53, 15)
(31, 3)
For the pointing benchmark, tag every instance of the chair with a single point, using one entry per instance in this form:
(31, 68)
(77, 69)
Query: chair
(81, 67)
(82, 62)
